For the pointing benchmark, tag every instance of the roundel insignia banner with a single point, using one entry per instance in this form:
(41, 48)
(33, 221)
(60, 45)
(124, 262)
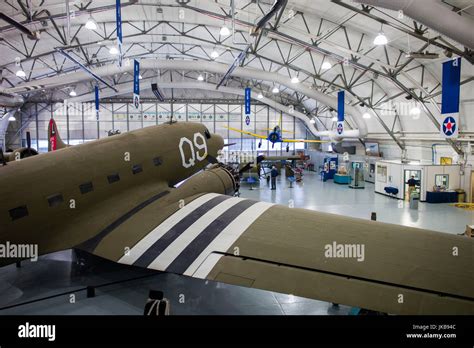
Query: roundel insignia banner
(340, 128)
(247, 120)
(450, 126)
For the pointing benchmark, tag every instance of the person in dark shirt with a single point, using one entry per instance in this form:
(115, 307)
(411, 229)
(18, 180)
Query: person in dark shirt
(411, 182)
(274, 174)
(411, 185)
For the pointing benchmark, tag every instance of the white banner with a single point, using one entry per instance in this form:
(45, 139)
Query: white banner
(450, 125)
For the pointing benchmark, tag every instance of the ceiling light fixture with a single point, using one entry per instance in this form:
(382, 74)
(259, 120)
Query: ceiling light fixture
(200, 77)
(260, 96)
(366, 115)
(113, 50)
(326, 66)
(415, 111)
(295, 80)
(91, 24)
(140, 77)
(21, 73)
(224, 31)
(313, 121)
(214, 54)
(334, 119)
(275, 90)
(12, 118)
(380, 39)
(72, 93)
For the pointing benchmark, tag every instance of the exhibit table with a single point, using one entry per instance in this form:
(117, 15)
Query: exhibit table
(441, 197)
(342, 179)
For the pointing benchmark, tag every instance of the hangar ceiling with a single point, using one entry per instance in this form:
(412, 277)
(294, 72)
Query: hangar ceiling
(327, 45)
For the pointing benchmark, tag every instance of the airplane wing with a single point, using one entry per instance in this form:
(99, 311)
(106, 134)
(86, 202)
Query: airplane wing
(283, 131)
(302, 141)
(362, 263)
(245, 132)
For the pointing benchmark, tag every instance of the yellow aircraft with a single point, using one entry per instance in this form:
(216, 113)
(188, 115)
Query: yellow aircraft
(275, 136)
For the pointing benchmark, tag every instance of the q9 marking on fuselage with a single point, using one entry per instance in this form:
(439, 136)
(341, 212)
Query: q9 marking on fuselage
(197, 149)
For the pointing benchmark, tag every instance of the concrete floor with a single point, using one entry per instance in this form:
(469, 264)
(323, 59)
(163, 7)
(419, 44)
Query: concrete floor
(61, 272)
(328, 197)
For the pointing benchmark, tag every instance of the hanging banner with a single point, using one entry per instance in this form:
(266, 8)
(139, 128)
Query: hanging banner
(97, 103)
(340, 112)
(451, 85)
(136, 84)
(248, 92)
(118, 15)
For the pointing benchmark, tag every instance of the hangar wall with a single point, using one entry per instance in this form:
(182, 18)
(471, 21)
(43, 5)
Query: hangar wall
(77, 122)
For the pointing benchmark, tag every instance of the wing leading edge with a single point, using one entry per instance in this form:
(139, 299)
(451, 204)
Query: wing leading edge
(261, 245)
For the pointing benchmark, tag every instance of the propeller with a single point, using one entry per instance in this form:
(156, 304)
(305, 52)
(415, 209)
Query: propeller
(28, 152)
(230, 144)
(212, 159)
(246, 167)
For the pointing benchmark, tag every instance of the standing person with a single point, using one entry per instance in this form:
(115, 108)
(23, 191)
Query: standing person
(411, 185)
(274, 174)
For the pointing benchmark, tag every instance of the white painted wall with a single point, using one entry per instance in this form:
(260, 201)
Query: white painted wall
(395, 177)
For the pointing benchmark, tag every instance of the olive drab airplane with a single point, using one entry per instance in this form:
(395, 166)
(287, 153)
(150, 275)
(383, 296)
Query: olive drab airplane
(275, 136)
(129, 209)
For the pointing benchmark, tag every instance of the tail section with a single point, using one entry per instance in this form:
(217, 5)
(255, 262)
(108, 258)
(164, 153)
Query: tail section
(54, 139)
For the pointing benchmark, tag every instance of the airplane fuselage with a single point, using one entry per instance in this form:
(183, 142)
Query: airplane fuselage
(40, 196)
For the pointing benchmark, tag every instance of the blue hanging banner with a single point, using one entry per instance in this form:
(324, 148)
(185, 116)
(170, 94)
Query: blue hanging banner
(340, 112)
(451, 90)
(136, 84)
(248, 92)
(118, 15)
(97, 103)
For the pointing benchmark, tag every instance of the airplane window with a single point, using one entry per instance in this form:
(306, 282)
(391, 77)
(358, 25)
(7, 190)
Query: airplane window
(18, 212)
(113, 178)
(157, 161)
(207, 134)
(86, 187)
(137, 168)
(55, 200)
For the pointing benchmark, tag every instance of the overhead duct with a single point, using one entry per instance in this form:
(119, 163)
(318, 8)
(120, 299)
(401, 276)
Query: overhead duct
(433, 15)
(11, 100)
(213, 67)
(4, 122)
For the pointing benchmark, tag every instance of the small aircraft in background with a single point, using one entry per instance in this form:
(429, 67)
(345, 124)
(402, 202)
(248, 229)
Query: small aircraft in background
(275, 136)
(18, 154)
(54, 143)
